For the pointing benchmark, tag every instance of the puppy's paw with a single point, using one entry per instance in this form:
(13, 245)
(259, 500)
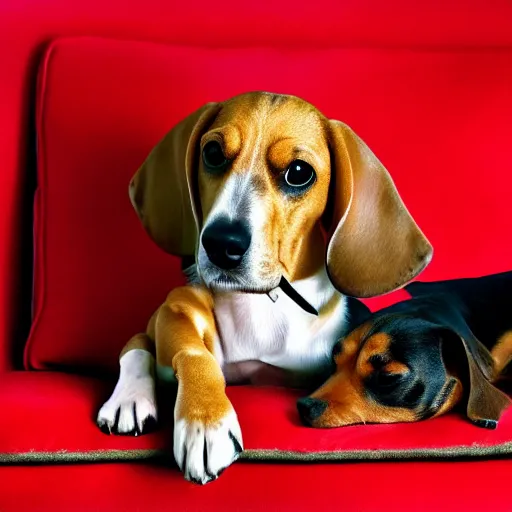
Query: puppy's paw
(202, 451)
(131, 410)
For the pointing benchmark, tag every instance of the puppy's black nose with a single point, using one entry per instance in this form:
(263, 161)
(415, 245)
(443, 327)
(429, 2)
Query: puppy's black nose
(310, 408)
(226, 242)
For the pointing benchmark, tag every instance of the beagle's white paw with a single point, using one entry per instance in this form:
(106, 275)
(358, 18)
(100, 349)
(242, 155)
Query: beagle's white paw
(131, 410)
(202, 452)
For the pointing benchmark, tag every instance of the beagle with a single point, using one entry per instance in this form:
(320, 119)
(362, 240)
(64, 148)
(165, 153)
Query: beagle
(450, 344)
(285, 213)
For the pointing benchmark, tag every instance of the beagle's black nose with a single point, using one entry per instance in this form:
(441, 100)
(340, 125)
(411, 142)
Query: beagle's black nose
(226, 242)
(310, 408)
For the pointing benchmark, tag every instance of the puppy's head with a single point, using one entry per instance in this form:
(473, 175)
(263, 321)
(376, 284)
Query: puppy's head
(263, 186)
(401, 368)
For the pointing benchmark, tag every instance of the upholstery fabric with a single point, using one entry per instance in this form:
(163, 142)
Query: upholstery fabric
(464, 46)
(268, 417)
(103, 104)
(245, 487)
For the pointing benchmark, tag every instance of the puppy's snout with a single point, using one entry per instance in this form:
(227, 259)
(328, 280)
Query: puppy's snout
(226, 242)
(310, 409)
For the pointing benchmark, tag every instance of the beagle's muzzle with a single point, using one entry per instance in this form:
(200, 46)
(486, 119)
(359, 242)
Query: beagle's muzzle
(447, 346)
(270, 199)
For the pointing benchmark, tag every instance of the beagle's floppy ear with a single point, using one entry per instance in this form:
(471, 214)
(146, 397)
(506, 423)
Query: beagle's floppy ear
(375, 246)
(485, 402)
(162, 191)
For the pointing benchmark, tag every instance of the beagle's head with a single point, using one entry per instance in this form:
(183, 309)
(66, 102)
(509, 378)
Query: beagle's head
(263, 186)
(401, 368)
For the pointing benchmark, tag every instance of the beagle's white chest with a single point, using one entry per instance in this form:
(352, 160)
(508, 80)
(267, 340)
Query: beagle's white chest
(260, 340)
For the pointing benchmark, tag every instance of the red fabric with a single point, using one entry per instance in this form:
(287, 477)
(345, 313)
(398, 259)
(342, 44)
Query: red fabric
(438, 120)
(47, 411)
(364, 487)
(25, 25)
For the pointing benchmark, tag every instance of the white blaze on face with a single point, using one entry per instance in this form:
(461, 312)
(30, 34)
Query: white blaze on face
(240, 201)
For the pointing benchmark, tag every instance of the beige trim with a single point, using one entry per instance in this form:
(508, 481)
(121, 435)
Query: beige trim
(455, 452)
(474, 451)
(64, 456)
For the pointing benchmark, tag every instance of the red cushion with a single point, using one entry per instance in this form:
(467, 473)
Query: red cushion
(47, 413)
(363, 487)
(439, 120)
(25, 26)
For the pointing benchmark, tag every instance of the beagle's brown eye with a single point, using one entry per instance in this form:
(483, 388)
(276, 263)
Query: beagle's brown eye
(299, 174)
(213, 156)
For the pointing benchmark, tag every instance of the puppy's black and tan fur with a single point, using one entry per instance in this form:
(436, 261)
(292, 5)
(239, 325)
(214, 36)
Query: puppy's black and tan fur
(419, 358)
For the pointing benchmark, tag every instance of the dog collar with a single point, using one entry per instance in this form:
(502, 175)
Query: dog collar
(289, 290)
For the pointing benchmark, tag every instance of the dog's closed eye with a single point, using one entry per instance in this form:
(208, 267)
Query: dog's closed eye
(387, 371)
(386, 379)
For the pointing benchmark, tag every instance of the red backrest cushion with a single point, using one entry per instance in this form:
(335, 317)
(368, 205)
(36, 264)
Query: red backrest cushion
(439, 121)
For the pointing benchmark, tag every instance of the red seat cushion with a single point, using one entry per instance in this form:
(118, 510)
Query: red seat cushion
(50, 417)
(103, 104)
(439, 120)
(363, 487)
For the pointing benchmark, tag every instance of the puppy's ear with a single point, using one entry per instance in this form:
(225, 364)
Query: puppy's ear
(375, 245)
(485, 402)
(163, 189)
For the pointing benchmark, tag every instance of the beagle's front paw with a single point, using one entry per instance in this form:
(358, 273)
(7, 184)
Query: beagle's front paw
(131, 410)
(203, 450)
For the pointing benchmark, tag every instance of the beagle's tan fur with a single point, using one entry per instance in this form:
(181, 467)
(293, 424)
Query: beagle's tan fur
(343, 232)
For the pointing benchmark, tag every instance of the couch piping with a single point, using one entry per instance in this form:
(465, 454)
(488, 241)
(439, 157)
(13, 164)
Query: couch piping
(265, 455)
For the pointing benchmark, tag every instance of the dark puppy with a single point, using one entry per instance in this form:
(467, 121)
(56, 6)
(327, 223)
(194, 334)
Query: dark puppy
(419, 358)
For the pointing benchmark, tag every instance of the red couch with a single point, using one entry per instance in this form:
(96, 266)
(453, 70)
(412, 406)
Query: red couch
(85, 91)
